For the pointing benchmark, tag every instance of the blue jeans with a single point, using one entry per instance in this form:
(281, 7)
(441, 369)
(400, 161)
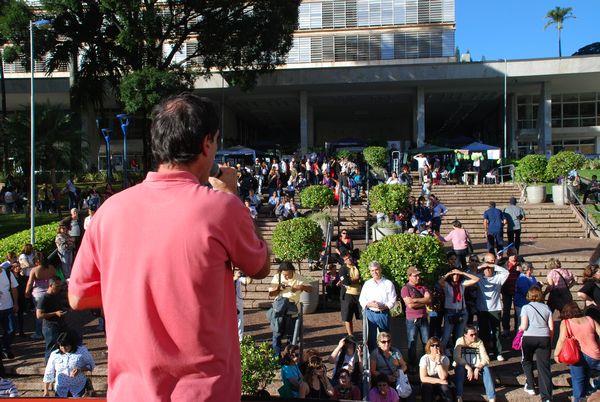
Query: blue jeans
(346, 196)
(7, 321)
(376, 321)
(459, 328)
(50, 330)
(580, 379)
(488, 381)
(412, 326)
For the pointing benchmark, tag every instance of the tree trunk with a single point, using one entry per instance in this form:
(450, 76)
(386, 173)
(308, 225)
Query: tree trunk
(559, 45)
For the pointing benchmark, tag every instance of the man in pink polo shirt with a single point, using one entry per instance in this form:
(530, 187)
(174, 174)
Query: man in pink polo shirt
(158, 257)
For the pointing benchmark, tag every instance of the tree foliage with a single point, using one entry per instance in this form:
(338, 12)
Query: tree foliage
(316, 197)
(531, 169)
(297, 239)
(562, 163)
(259, 365)
(389, 198)
(376, 156)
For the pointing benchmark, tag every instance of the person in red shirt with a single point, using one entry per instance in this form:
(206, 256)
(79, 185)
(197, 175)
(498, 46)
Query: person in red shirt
(158, 258)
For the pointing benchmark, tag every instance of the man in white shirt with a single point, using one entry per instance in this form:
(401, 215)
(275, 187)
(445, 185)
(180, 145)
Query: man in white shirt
(377, 296)
(489, 302)
(8, 308)
(421, 163)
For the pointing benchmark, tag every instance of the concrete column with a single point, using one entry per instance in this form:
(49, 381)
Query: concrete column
(513, 123)
(419, 117)
(303, 122)
(311, 126)
(545, 119)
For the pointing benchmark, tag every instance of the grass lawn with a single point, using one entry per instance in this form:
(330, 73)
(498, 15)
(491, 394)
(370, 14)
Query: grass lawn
(587, 173)
(594, 213)
(12, 223)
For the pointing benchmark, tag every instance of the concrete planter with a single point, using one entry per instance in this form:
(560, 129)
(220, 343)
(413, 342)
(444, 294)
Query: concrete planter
(559, 195)
(536, 194)
(378, 233)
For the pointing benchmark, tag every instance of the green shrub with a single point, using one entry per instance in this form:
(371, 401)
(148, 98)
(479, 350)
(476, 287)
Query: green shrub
(398, 252)
(297, 239)
(531, 169)
(316, 197)
(562, 163)
(592, 164)
(44, 240)
(376, 156)
(259, 365)
(344, 154)
(389, 198)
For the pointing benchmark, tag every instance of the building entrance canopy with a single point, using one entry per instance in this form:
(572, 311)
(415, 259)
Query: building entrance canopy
(430, 149)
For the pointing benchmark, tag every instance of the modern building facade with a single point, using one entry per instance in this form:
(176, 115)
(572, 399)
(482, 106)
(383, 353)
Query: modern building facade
(386, 70)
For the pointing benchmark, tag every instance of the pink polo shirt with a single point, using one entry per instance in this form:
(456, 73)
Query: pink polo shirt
(160, 254)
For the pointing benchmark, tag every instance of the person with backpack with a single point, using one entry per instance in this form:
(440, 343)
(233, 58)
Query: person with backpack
(559, 282)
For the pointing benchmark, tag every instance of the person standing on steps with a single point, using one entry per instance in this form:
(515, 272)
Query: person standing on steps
(416, 297)
(350, 292)
(184, 323)
(493, 226)
(421, 163)
(514, 215)
(377, 296)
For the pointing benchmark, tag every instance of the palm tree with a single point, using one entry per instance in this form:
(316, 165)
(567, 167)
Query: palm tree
(558, 16)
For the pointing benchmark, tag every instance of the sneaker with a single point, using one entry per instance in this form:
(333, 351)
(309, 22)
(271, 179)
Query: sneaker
(459, 399)
(500, 358)
(528, 390)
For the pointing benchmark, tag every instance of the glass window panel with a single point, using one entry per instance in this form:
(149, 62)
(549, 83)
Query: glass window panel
(339, 14)
(448, 11)
(587, 109)
(340, 48)
(412, 11)
(387, 12)
(587, 141)
(587, 149)
(399, 46)
(328, 53)
(556, 123)
(587, 97)
(570, 122)
(435, 11)
(412, 45)
(588, 121)
(304, 50)
(315, 15)
(350, 13)
(598, 108)
(570, 110)
(327, 15)
(363, 47)
(570, 98)
(399, 12)
(375, 12)
(556, 98)
(362, 12)
(436, 43)
(387, 46)
(571, 142)
(375, 47)
(448, 49)
(556, 111)
(304, 16)
(316, 49)
(521, 99)
(423, 11)
(293, 54)
(351, 48)
(556, 149)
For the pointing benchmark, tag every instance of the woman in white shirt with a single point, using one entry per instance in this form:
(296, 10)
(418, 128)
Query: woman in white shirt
(433, 371)
(393, 179)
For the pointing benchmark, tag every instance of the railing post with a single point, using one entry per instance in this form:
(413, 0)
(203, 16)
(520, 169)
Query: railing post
(326, 264)
(367, 224)
(366, 385)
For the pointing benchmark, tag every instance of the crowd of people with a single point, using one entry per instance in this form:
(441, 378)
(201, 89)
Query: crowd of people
(463, 322)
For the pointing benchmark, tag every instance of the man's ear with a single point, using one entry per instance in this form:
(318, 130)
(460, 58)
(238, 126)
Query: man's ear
(208, 141)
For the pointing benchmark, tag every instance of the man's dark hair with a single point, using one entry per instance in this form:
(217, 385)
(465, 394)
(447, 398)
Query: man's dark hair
(179, 125)
(492, 204)
(513, 201)
(286, 266)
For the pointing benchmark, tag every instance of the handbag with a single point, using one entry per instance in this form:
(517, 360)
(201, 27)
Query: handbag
(517, 343)
(570, 353)
(403, 385)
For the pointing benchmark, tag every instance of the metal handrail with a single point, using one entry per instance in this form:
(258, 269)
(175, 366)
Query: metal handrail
(511, 172)
(326, 263)
(589, 226)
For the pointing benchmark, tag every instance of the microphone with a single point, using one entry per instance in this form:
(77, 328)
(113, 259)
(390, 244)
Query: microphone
(215, 170)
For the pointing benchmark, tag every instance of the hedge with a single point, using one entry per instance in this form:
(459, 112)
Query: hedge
(44, 240)
(297, 239)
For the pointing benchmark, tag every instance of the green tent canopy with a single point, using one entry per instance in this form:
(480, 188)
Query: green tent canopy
(430, 149)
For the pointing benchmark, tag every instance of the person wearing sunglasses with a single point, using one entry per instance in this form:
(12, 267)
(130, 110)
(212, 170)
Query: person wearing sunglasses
(316, 385)
(433, 372)
(382, 392)
(345, 389)
(472, 362)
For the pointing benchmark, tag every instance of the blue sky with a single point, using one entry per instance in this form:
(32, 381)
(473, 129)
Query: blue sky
(515, 28)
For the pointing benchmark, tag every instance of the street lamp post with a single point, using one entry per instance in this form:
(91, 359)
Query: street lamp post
(106, 134)
(32, 25)
(124, 120)
(505, 110)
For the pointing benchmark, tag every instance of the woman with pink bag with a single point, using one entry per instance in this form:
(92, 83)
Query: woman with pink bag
(585, 331)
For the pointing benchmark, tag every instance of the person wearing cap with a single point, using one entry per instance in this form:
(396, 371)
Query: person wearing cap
(416, 297)
(377, 296)
(287, 284)
(514, 215)
(350, 292)
(489, 303)
(493, 226)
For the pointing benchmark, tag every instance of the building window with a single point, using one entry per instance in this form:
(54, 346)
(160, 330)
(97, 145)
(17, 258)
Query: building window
(526, 148)
(586, 146)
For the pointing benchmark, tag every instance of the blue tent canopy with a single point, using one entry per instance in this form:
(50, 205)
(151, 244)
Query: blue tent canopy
(478, 147)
